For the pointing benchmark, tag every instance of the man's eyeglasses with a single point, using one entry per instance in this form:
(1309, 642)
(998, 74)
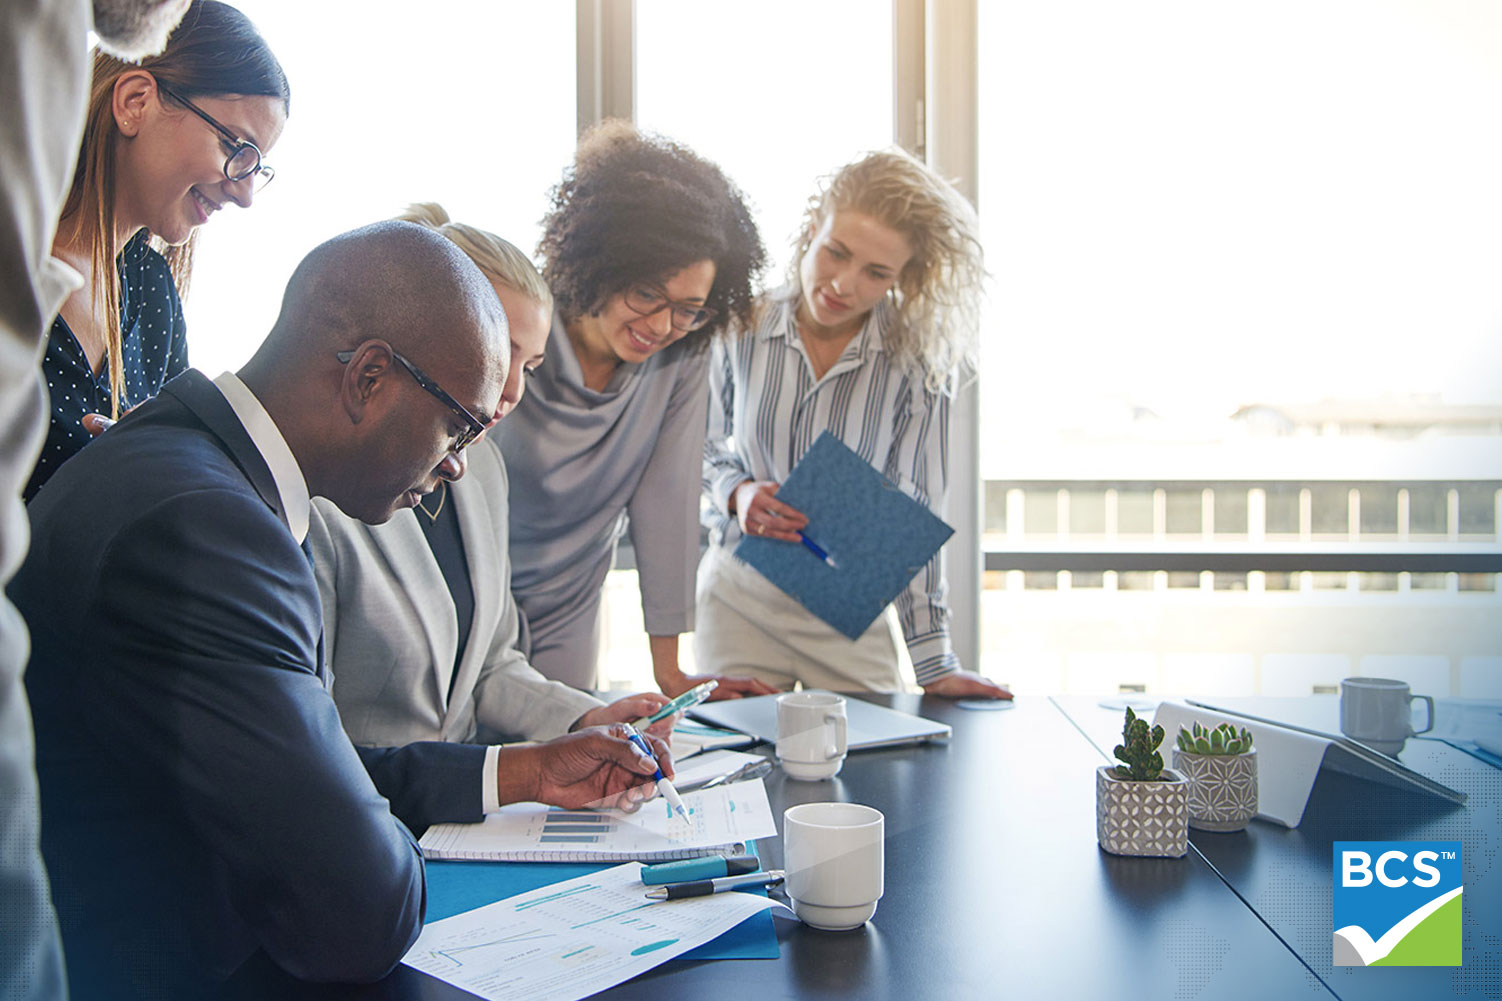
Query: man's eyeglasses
(473, 426)
(244, 159)
(648, 300)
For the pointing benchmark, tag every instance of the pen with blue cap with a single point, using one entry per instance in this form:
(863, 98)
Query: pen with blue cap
(663, 785)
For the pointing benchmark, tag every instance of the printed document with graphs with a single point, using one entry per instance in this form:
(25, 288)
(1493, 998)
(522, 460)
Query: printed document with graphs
(572, 939)
(720, 819)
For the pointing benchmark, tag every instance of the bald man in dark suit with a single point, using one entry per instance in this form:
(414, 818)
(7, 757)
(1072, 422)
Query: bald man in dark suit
(201, 804)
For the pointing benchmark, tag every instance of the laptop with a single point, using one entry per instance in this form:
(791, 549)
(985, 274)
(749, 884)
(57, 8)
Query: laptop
(867, 725)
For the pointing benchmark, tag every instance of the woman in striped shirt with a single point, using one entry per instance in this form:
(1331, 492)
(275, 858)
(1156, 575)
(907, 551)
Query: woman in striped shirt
(867, 341)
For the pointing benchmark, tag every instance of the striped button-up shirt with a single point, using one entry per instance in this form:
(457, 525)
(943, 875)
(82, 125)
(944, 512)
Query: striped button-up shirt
(766, 408)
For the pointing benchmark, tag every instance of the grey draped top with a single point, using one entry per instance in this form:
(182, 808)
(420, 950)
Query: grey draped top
(584, 463)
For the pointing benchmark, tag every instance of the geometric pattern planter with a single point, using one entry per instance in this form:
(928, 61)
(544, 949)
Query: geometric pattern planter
(1222, 788)
(1142, 818)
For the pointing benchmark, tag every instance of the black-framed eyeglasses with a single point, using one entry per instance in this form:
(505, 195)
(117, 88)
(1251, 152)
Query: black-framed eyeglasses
(244, 157)
(473, 426)
(649, 300)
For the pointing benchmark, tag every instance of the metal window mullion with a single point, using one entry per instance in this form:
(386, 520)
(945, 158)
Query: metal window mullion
(949, 129)
(605, 37)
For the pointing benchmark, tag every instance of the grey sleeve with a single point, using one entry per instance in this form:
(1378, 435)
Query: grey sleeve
(511, 698)
(664, 509)
(44, 79)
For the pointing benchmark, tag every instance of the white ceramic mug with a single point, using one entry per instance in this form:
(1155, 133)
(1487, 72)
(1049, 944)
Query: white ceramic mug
(811, 736)
(835, 863)
(1379, 711)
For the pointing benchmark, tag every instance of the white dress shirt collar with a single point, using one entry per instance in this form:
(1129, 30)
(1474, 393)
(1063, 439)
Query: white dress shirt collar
(269, 442)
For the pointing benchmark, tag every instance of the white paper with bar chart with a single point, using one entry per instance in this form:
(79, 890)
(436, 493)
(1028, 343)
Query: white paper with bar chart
(720, 819)
(572, 939)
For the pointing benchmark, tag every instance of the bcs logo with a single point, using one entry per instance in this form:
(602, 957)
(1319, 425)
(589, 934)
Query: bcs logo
(1397, 903)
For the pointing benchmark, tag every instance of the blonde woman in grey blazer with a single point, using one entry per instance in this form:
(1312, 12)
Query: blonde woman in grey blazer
(391, 630)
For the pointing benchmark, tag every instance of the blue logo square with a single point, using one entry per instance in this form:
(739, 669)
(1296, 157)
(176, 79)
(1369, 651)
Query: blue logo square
(1397, 903)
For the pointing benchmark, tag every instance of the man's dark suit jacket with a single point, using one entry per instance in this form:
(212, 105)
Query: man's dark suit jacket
(199, 799)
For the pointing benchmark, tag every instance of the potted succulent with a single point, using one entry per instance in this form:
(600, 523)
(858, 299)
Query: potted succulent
(1141, 808)
(1221, 766)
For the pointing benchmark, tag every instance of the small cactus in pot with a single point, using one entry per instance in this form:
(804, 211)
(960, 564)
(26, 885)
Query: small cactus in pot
(1221, 766)
(1141, 808)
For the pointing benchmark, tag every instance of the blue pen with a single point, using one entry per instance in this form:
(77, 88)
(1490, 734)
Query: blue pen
(818, 551)
(663, 785)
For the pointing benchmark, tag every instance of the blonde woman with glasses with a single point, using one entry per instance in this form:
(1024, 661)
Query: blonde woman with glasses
(867, 340)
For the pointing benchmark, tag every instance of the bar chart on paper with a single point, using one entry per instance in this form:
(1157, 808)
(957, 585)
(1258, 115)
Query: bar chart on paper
(719, 819)
(571, 939)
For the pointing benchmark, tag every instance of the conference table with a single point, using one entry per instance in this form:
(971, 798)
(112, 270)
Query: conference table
(995, 887)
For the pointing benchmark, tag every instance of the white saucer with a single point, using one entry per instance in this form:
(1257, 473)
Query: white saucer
(811, 771)
(833, 918)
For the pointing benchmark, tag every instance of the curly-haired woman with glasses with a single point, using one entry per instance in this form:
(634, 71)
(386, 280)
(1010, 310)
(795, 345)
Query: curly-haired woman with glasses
(867, 341)
(167, 143)
(648, 250)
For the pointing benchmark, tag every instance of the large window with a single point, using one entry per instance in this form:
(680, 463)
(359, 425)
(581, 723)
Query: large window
(471, 104)
(1245, 260)
(776, 108)
(778, 93)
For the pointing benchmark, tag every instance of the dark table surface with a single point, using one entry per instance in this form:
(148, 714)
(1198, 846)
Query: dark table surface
(1285, 875)
(994, 888)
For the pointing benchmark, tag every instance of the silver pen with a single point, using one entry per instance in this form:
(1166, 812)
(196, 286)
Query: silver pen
(704, 887)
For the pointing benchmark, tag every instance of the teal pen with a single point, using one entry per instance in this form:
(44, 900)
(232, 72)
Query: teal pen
(688, 699)
(710, 867)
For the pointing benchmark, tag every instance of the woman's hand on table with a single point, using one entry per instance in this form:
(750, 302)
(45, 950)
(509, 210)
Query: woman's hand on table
(966, 684)
(760, 513)
(728, 688)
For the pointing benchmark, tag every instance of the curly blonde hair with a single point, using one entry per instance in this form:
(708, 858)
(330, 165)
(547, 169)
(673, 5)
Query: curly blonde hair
(500, 260)
(937, 295)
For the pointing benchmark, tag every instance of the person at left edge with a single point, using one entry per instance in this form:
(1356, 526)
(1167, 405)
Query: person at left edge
(202, 808)
(167, 143)
(44, 79)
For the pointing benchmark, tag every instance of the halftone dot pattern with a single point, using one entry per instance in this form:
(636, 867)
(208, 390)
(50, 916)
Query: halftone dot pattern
(1297, 904)
(1197, 956)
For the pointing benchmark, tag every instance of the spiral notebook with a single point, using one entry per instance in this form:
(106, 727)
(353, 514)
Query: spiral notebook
(720, 821)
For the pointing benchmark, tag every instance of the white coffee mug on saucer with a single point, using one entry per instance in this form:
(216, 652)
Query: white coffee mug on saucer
(811, 734)
(835, 862)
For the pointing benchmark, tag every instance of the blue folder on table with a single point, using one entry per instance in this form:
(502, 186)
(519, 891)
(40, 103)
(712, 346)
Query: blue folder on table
(879, 536)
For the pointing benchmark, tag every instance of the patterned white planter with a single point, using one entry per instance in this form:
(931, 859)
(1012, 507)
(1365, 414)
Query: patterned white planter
(1222, 788)
(1142, 818)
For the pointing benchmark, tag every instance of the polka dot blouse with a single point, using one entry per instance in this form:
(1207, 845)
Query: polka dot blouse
(154, 349)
